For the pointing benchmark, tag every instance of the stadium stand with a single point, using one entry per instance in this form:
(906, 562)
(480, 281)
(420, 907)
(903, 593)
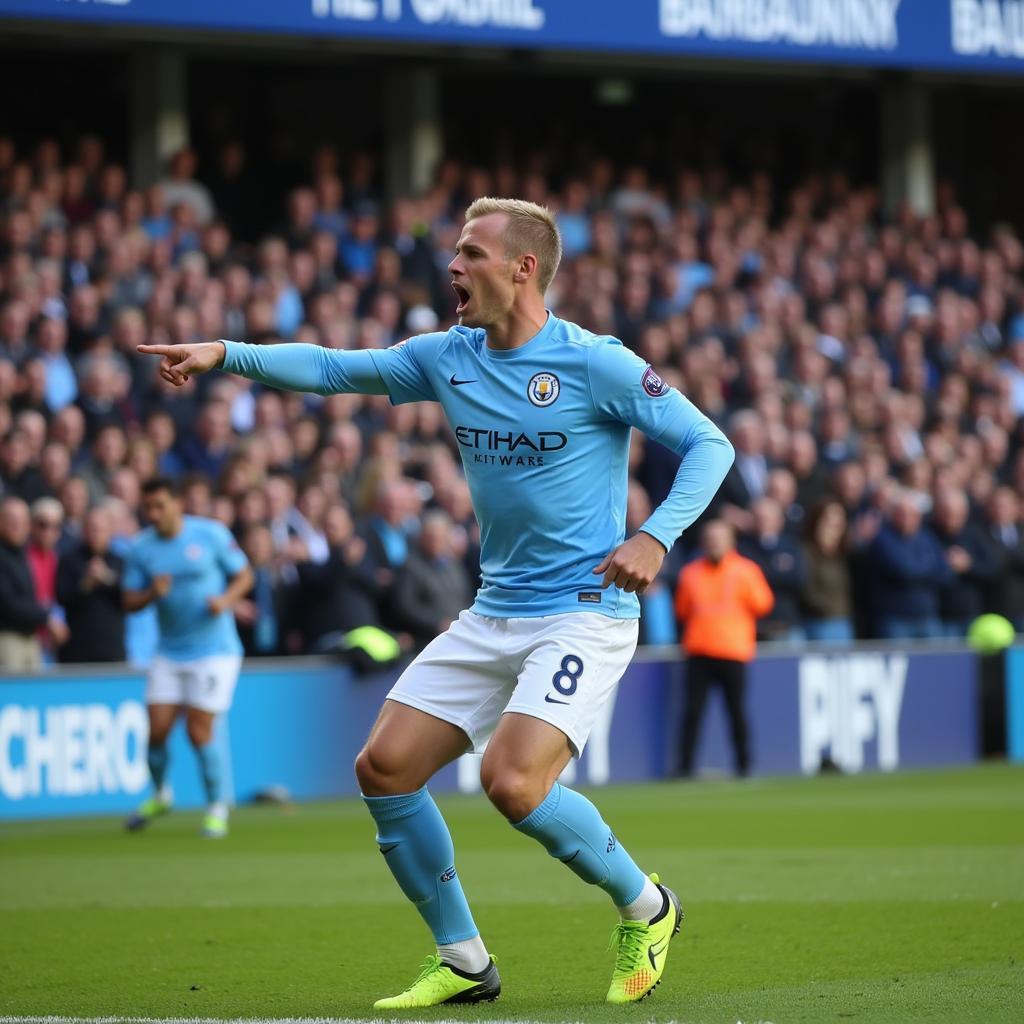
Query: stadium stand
(870, 374)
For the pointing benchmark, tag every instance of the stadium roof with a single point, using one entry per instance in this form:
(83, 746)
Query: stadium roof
(940, 35)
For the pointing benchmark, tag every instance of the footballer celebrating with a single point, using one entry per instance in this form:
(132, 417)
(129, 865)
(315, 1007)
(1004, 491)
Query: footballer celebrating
(194, 572)
(542, 411)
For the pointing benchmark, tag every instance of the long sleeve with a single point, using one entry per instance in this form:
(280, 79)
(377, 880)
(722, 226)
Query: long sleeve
(297, 367)
(625, 388)
(707, 456)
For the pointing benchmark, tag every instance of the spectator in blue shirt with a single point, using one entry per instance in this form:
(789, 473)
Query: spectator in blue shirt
(157, 222)
(782, 561)
(692, 273)
(329, 215)
(61, 384)
(209, 447)
(573, 220)
(908, 569)
(260, 615)
(359, 246)
(161, 430)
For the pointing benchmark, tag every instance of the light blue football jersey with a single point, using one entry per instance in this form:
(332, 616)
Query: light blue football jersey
(201, 560)
(543, 431)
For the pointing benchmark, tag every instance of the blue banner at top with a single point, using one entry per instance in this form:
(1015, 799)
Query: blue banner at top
(968, 35)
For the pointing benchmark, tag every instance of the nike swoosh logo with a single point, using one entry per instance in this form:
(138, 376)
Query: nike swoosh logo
(566, 860)
(652, 953)
(551, 700)
(387, 849)
(455, 383)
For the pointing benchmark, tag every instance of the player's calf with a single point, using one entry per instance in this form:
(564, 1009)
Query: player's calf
(210, 755)
(572, 830)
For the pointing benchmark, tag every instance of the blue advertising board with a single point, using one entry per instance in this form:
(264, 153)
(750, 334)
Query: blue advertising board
(978, 35)
(862, 709)
(76, 744)
(1015, 704)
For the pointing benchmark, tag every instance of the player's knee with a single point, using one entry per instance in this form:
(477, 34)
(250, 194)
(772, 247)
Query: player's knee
(365, 774)
(514, 793)
(379, 772)
(199, 733)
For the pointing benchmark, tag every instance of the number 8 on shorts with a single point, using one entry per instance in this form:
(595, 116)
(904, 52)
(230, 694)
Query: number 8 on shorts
(567, 678)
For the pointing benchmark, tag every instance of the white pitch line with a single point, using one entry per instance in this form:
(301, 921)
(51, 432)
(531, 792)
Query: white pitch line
(217, 1020)
(262, 1020)
(267, 1020)
(220, 1020)
(236, 1020)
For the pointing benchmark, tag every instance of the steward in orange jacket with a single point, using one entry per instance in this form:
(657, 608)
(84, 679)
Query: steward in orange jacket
(719, 599)
(720, 603)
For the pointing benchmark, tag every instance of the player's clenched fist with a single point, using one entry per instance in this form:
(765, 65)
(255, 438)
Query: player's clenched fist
(632, 565)
(179, 362)
(161, 585)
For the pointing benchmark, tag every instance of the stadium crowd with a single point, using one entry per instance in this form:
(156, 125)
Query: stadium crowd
(870, 375)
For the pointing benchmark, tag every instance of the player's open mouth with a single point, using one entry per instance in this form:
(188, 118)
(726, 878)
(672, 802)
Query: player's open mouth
(463, 296)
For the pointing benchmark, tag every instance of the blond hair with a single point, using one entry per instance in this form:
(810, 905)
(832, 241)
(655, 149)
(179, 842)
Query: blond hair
(531, 229)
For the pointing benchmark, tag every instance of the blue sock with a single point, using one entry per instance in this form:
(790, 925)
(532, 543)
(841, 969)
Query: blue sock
(417, 845)
(157, 758)
(571, 828)
(209, 765)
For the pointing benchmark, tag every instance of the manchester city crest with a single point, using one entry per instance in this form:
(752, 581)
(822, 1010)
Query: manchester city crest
(543, 389)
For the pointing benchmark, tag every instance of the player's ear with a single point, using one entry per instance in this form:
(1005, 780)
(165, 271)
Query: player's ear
(526, 269)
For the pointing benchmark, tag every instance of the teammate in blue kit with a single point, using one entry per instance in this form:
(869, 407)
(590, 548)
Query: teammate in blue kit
(194, 572)
(542, 412)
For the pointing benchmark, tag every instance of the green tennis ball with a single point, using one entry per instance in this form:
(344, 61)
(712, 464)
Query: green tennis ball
(380, 646)
(990, 634)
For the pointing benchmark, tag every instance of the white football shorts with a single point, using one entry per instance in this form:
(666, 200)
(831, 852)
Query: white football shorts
(205, 683)
(561, 669)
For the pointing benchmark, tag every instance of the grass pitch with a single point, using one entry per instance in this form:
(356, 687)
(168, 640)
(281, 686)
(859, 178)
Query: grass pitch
(879, 898)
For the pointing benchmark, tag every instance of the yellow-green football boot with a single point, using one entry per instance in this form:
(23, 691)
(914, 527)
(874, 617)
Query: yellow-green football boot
(147, 812)
(215, 826)
(642, 949)
(439, 982)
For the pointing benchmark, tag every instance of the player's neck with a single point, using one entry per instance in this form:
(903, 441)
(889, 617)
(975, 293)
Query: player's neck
(173, 530)
(518, 327)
